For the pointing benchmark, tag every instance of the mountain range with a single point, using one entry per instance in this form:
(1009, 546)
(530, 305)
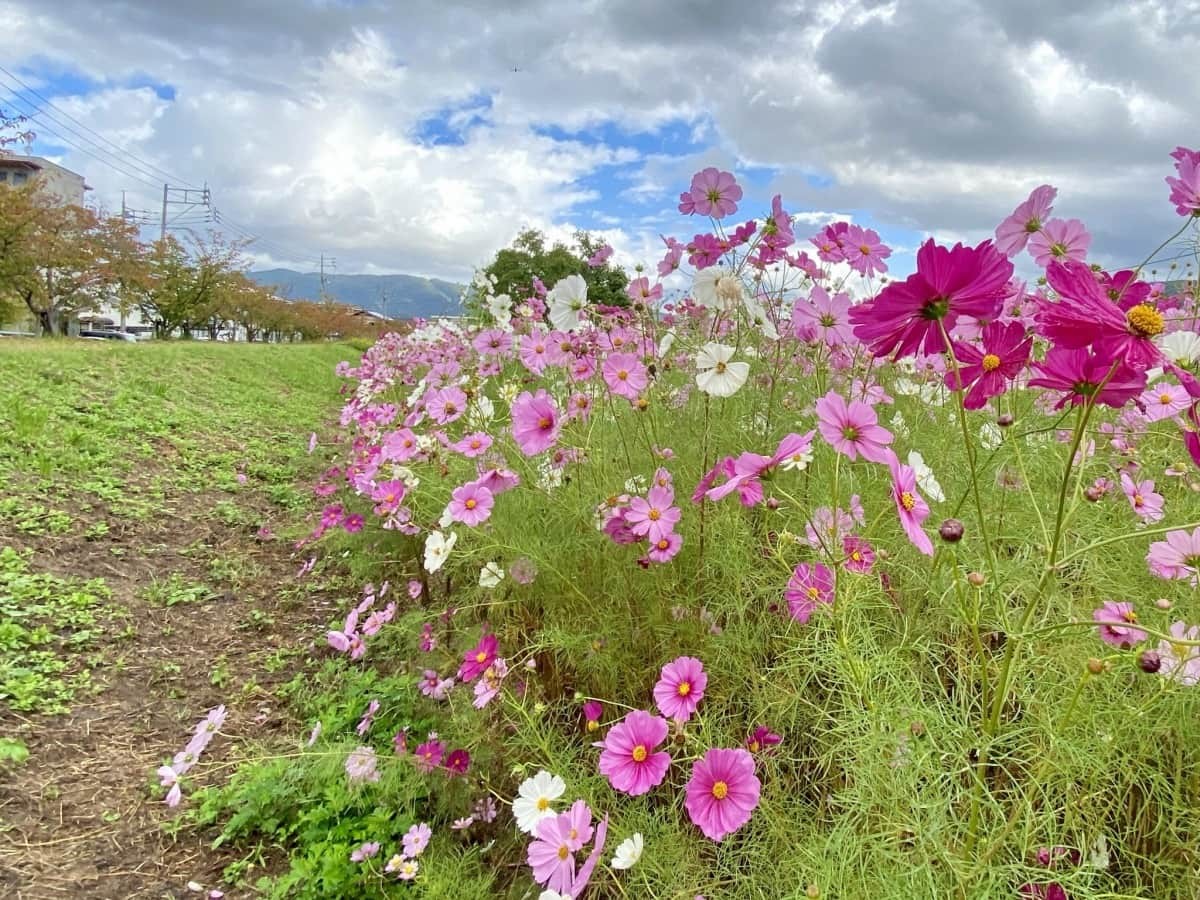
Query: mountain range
(395, 296)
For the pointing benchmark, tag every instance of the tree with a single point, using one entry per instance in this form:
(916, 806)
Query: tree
(515, 267)
(185, 286)
(123, 261)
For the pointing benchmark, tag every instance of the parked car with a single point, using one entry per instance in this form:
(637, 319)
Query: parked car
(108, 336)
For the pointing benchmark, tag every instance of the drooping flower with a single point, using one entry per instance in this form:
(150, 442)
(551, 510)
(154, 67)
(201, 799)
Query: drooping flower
(987, 371)
(762, 739)
(592, 711)
(629, 760)
(715, 374)
(680, 688)
(534, 422)
(1122, 635)
(629, 851)
(907, 317)
(1026, 220)
(722, 793)
(534, 800)
(811, 584)
(910, 505)
(852, 429)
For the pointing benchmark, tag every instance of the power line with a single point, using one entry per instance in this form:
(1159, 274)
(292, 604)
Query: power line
(142, 164)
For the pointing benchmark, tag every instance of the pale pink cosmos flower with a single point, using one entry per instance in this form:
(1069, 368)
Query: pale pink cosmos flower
(1060, 239)
(714, 193)
(1147, 504)
(1119, 620)
(1026, 220)
(1177, 557)
(625, 375)
(852, 429)
(680, 688)
(471, 504)
(1185, 190)
(864, 251)
(416, 839)
(823, 319)
(1164, 401)
(360, 765)
(654, 516)
(473, 445)
(488, 685)
(1181, 662)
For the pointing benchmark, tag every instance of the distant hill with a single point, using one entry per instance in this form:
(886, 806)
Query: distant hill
(396, 296)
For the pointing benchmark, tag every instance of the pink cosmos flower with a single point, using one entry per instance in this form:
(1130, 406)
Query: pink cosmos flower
(428, 755)
(811, 584)
(434, 686)
(1181, 662)
(1122, 635)
(1176, 557)
(360, 765)
(1147, 504)
(1060, 239)
(471, 504)
(473, 445)
(534, 422)
(864, 251)
(823, 319)
(600, 257)
(722, 793)
(416, 839)
(388, 495)
(761, 739)
(365, 851)
(592, 711)
(1185, 190)
(1084, 314)
(665, 549)
(655, 516)
(552, 855)
(476, 661)
(1026, 220)
(680, 688)
(535, 352)
(852, 429)
(714, 193)
(629, 761)
(487, 687)
(987, 371)
(1164, 401)
(641, 291)
(910, 505)
(1082, 375)
(625, 375)
(446, 405)
(949, 282)
(745, 472)
(860, 555)
(457, 762)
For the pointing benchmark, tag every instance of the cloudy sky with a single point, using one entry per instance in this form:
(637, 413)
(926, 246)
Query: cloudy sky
(415, 136)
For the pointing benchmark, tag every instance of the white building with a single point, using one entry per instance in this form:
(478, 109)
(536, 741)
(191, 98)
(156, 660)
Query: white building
(65, 186)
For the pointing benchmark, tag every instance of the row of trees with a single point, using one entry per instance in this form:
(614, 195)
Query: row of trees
(58, 262)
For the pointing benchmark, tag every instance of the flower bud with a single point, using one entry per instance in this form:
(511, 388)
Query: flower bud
(1095, 666)
(976, 579)
(917, 728)
(1092, 493)
(951, 531)
(1149, 661)
(812, 892)
(772, 503)
(1004, 420)
(1163, 603)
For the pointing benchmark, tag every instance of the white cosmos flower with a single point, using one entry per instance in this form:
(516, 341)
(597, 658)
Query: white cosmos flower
(1181, 347)
(715, 374)
(666, 342)
(926, 480)
(407, 475)
(567, 300)
(629, 851)
(990, 436)
(758, 315)
(535, 798)
(553, 895)
(437, 549)
(417, 393)
(715, 288)
(447, 518)
(490, 575)
(482, 411)
(509, 391)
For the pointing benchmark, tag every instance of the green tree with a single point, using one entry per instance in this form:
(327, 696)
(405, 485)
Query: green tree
(515, 267)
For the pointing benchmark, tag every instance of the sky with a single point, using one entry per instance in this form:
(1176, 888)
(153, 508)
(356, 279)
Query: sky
(420, 137)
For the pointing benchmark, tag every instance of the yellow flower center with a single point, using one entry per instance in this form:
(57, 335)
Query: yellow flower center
(991, 362)
(720, 367)
(754, 746)
(480, 656)
(856, 556)
(475, 444)
(544, 422)
(592, 725)
(639, 753)
(1164, 399)
(907, 501)
(663, 544)
(654, 515)
(1145, 320)
(564, 851)
(1138, 499)
(865, 250)
(543, 804)
(622, 375)
(720, 790)
(684, 689)
(813, 593)
(1129, 616)
(450, 409)
(470, 504)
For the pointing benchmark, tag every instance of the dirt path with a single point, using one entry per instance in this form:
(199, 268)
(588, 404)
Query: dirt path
(204, 611)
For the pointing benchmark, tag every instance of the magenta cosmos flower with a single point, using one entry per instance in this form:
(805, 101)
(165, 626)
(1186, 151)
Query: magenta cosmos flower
(852, 428)
(1176, 557)
(987, 371)
(860, 555)
(722, 793)
(811, 584)
(476, 661)
(1086, 315)
(471, 504)
(1118, 619)
(534, 422)
(629, 761)
(910, 505)
(1185, 190)
(909, 315)
(714, 193)
(1084, 376)
(625, 375)
(680, 688)
(1026, 220)
(822, 318)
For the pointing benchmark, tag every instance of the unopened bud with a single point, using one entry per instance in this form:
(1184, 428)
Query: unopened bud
(1163, 603)
(812, 892)
(1149, 661)
(917, 728)
(1095, 666)
(1004, 420)
(976, 579)
(951, 531)
(1092, 493)
(772, 503)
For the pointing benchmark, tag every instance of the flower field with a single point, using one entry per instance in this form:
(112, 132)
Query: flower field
(808, 579)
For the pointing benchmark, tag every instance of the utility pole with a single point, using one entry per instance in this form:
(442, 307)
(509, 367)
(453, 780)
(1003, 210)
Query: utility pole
(189, 199)
(383, 301)
(332, 263)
